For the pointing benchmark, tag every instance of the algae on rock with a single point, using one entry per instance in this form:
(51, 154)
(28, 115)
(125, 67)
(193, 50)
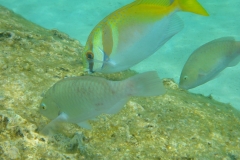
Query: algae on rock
(177, 125)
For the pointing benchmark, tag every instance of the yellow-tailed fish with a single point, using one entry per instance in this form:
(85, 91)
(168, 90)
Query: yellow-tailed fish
(134, 32)
(206, 62)
(80, 99)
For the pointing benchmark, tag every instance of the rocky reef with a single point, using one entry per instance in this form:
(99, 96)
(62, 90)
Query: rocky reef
(177, 125)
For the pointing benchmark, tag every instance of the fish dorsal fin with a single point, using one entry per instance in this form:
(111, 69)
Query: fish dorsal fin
(202, 75)
(157, 2)
(223, 39)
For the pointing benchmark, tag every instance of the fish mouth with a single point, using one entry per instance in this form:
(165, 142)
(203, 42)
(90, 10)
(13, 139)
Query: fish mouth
(90, 66)
(184, 87)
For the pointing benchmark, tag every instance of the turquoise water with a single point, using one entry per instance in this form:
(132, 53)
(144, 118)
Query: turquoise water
(77, 18)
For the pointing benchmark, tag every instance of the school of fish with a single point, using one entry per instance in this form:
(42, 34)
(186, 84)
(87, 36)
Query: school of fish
(122, 39)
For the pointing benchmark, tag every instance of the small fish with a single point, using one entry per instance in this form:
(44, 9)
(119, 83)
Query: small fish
(206, 62)
(134, 32)
(80, 99)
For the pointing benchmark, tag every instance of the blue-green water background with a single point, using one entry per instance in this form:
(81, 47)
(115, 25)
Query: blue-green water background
(78, 17)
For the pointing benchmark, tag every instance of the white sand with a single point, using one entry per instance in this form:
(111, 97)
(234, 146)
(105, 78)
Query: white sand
(77, 18)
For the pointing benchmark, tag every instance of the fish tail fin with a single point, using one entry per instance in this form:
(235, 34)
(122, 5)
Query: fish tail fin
(192, 6)
(145, 84)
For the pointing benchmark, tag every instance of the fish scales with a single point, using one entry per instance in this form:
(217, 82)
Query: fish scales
(207, 61)
(79, 99)
(88, 91)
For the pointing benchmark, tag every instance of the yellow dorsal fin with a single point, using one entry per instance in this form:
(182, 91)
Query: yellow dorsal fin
(157, 2)
(185, 5)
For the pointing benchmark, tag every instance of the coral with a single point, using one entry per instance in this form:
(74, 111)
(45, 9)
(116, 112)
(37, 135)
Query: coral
(177, 125)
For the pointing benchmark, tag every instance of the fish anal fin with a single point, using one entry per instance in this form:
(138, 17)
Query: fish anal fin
(84, 124)
(117, 107)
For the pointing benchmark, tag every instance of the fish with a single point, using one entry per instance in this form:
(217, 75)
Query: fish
(207, 61)
(134, 32)
(79, 99)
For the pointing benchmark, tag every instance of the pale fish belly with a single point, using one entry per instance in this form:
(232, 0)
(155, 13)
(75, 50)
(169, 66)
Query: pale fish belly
(136, 43)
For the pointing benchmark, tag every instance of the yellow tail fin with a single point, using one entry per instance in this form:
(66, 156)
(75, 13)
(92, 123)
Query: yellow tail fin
(192, 6)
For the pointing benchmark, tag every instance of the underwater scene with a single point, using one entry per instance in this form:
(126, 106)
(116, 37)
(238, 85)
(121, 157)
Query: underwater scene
(119, 80)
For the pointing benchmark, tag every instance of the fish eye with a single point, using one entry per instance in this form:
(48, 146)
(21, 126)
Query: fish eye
(185, 77)
(89, 55)
(43, 106)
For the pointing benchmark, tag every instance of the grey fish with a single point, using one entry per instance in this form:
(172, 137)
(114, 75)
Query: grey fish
(206, 62)
(80, 99)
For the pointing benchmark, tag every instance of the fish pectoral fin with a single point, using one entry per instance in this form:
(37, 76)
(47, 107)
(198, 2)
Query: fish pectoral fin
(85, 125)
(117, 107)
(201, 73)
(106, 59)
(53, 125)
(105, 56)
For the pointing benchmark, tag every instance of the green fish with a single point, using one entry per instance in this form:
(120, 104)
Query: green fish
(206, 62)
(79, 99)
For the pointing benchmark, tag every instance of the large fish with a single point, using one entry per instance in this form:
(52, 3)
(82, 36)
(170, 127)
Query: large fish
(206, 62)
(80, 99)
(134, 32)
